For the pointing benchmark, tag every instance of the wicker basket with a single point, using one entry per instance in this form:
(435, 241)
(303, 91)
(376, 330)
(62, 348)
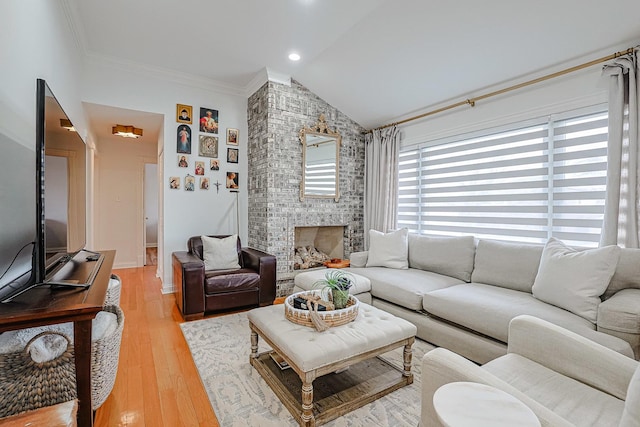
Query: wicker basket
(113, 291)
(105, 354)
(331, 318)
(28, 385)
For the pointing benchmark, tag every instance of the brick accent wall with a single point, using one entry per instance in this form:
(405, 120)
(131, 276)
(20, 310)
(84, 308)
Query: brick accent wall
(276, 113)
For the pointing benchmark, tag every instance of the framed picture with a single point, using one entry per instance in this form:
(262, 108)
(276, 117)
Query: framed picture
(232, 136)
(232, 155)
(184, 139)
(184, 114)
(232, 180)
(214, 165)
(183, 161)
(208, 120)
(208, 146)
(174, 182)
(204, 183)
(199, 168)
(190, 183)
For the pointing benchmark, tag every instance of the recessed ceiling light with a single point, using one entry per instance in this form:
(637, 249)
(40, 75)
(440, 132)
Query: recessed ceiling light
(294, 57)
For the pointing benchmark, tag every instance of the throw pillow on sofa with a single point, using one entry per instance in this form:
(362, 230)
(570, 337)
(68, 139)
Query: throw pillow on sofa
(451, 256)
(388, 249)
(220, 254)
(575, 280)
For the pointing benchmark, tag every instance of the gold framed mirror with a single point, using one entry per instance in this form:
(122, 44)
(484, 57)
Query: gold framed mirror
(320, 161)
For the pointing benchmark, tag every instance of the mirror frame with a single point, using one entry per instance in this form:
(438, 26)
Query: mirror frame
(320, 128)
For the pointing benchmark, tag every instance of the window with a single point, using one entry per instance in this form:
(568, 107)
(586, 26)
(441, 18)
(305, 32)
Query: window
(526, 184)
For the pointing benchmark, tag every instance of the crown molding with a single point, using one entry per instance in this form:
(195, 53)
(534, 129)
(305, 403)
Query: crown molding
(266, 75)
(75, 25)
(179, 77)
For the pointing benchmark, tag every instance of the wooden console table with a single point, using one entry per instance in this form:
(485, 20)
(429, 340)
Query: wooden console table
(45, 306)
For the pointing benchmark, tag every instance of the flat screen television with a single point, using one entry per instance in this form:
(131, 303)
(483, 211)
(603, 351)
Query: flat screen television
(44, 234)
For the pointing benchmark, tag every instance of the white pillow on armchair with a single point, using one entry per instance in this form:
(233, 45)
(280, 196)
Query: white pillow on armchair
(220, 254)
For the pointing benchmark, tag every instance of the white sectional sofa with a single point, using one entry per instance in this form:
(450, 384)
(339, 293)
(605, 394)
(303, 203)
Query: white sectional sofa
(461, 293)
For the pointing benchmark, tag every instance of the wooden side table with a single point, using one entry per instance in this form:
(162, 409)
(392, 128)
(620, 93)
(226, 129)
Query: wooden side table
(44, 306)
(467, 404)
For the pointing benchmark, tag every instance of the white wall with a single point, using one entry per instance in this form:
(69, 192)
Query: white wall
(36, 42)
(184, 214)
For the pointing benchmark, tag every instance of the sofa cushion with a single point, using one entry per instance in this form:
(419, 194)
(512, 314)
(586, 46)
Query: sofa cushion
(509, 265)
(574, 280)
(587, 406)
(488, 309)
(451, 256)
(404, 287)
(220, 253)
(627, 273)
(388, 249)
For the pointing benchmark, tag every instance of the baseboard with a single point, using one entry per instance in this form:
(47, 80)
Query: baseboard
(152, 245)
(125, 265)
(168, 289)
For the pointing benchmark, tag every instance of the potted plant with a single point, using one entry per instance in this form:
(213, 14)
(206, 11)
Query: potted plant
(338, 283)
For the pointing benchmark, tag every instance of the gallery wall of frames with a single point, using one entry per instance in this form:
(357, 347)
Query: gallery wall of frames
(199, 151)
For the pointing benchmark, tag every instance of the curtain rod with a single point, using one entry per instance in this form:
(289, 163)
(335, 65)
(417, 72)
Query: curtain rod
(472, 101)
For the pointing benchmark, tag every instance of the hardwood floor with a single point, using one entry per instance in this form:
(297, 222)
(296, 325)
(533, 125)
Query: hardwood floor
(157, 383)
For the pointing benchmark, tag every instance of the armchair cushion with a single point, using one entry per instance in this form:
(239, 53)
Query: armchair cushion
(230, 280)
(220, 253)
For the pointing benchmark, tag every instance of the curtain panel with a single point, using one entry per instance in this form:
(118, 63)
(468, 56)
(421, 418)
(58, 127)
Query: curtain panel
(381, 180)
(621, 221)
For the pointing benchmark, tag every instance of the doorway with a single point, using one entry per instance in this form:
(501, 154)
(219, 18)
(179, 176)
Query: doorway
(150, 212)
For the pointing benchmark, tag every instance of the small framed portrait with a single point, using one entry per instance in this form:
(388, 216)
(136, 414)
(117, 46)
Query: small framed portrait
(208, 120)
(199, 168)
(183, 161)
(208, 146)
(174, 182)
(190, 183)
(184, 139)
(214, 165)
(232, 136)
(232, 180)
(204, 183)
(184, 114)
(232, 155)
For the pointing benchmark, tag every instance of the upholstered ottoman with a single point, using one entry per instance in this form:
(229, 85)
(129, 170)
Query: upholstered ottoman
(361, 286)
(323, 356)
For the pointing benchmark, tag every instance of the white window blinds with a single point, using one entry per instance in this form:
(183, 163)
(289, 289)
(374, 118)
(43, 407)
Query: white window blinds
(524, 184)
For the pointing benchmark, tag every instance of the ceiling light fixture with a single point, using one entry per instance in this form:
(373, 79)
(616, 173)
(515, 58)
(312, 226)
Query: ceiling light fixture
(294, 57)
(126, 131)
(66, 124)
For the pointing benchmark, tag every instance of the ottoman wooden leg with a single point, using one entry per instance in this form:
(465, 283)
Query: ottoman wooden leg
(408, 354)
(254, 344)
(308, 420)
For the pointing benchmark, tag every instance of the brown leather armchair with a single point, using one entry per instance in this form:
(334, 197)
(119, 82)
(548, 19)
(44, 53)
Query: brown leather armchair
(200, 291)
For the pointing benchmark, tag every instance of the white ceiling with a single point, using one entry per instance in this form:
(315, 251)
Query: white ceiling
(375, 60)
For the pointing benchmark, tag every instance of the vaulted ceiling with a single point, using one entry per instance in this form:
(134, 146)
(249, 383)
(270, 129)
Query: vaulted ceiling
(375, 60)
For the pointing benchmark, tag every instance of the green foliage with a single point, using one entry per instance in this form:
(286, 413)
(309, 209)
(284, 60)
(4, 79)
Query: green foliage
(335, 279)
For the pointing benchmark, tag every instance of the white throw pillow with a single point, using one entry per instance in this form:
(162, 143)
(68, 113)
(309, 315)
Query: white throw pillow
(574, 280)
(220, 254)
(389, 249)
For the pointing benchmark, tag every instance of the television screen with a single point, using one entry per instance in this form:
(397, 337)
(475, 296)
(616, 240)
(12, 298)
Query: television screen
(61, 163)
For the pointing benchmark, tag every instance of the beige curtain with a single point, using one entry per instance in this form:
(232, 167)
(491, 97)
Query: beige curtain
(621, 222)
(381, 180)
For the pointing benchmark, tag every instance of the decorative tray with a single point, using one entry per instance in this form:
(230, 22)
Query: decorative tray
(331, 318)
(337, 263)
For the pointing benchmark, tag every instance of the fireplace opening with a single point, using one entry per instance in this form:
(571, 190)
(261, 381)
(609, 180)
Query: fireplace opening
(315, 245)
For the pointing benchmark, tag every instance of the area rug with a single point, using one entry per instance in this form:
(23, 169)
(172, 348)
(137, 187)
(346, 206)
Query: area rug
(220, 348)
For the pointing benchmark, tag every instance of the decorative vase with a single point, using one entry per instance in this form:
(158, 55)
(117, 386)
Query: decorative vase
(340, 298)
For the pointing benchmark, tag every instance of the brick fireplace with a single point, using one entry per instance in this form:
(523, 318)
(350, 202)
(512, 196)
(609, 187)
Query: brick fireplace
(328, 239)
(276, 113)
